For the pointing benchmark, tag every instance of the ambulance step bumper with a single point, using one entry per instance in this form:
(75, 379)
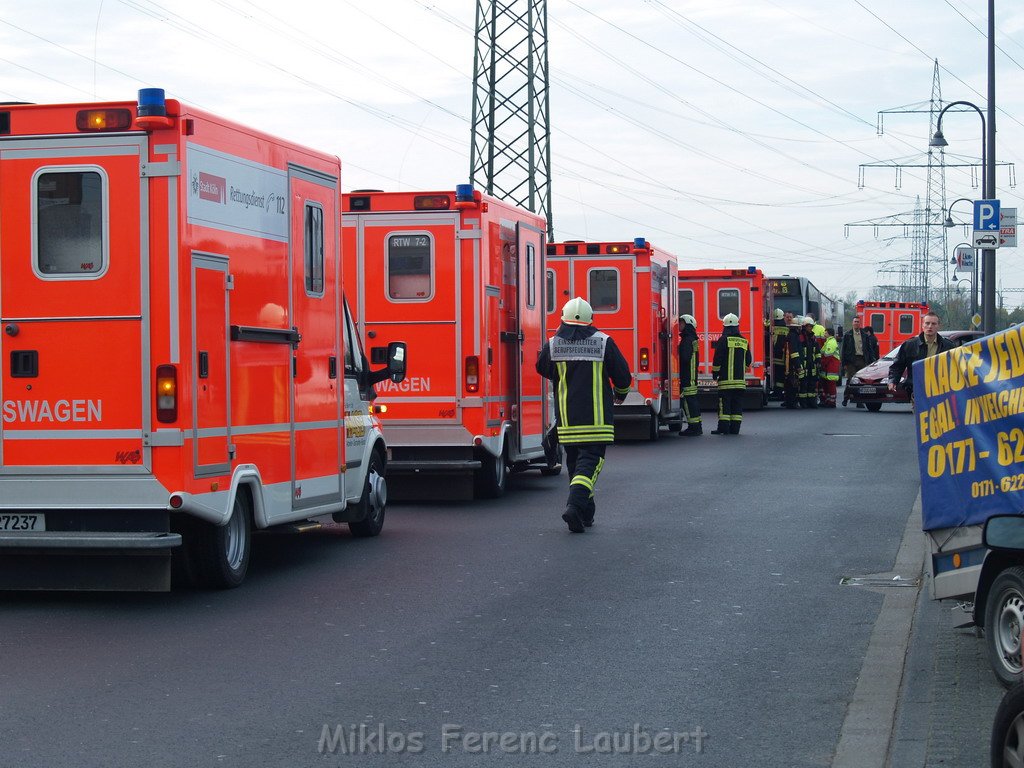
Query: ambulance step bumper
(94, 561)
(148, 541)
(400, 467)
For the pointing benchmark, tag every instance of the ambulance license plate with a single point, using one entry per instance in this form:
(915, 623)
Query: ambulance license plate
(869, 390)
(32, 522)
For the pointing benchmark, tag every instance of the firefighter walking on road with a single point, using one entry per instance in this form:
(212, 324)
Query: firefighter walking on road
(580, 360)
(729, 366)
(689, 364)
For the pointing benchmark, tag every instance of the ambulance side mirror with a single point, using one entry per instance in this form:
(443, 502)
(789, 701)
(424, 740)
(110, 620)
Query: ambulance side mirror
(1004, 532)
(396, 360)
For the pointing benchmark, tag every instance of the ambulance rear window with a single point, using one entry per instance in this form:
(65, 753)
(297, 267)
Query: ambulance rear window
(410, 267)
(728, 301)
(685, 302)
(604, 289)
(69, 236)
(877, 322)
(313, 259)
(906, 325)
(549, 291)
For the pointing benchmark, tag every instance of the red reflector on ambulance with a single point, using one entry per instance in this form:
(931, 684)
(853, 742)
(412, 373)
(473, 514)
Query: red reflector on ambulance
(431, 202)
(103, 119)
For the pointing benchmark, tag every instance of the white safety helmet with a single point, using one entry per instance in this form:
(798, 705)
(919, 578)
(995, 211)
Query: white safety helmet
(809, 320)
(577, 311)
(779, 314)
(689, 320)
(730, 320)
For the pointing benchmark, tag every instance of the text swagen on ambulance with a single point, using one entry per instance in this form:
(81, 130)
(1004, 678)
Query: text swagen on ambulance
(631, 287)
(180, 367)
(892, 322)
(968, 406)
(711, 294)
(458, 274)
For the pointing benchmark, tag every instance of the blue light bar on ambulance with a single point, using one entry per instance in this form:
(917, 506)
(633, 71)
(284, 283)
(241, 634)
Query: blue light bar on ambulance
(751, 270)
(639, 242)
(152, 102)
(464, 193)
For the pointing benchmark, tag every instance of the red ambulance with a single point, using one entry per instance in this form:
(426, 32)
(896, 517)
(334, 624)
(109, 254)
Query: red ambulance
(632, 289)
(179, 365)
(893, 322)
(711, 294)
(458, 275)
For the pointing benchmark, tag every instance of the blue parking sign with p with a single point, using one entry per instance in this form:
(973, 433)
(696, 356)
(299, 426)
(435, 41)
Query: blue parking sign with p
(986, 215)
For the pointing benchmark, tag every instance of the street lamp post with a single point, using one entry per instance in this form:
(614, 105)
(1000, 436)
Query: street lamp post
(988, 161)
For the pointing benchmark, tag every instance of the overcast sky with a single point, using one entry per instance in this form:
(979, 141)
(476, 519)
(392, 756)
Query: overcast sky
(729, 132)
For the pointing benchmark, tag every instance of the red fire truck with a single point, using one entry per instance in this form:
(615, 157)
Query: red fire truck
(632, 289)
(179, 366)
(893, 322)
(711, 294)
(457, 274)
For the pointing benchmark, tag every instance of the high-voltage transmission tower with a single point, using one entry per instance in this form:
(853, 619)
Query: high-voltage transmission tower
(928, 262)
(510, 144)
(927, 266)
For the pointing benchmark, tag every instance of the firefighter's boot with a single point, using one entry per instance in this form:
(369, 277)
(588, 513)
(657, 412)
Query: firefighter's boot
(692, 431)
(572, 518)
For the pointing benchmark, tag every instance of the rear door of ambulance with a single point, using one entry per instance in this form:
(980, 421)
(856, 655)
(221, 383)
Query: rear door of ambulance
(74, 277)
(409, 291)
(531, 390)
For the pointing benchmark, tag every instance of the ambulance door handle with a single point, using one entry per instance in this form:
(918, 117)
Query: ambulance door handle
(204, 365)
(332, 367)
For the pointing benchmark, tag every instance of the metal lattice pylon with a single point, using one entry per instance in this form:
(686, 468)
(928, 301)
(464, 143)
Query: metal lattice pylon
(510, 144)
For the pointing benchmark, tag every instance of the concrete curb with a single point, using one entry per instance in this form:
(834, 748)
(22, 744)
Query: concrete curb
(867, 731)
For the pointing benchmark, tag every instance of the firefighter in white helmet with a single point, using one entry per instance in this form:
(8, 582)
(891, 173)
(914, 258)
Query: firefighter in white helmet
(689, 364)
(581, 360)
(729, 367)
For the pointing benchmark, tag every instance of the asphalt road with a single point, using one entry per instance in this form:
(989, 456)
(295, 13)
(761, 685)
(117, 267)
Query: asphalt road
(705, 604)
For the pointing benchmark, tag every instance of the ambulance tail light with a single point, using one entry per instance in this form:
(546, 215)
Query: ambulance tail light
(431, 202)
(94, 120)
(473, 374)
(166, 394)
(645, 359)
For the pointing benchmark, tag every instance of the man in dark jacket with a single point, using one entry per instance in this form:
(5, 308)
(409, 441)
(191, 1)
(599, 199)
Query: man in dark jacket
(689, 364)
(580, 360)
(859, 349)
(925, 344)
(729, 367)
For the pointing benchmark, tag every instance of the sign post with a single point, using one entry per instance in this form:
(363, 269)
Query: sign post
(986, 224)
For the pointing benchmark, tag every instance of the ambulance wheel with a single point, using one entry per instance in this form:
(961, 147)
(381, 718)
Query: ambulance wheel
(1007, 744)
(221, 552)
(654, 427)
(491, 480)
(873, 407)
(1004, 616)
(373, 502)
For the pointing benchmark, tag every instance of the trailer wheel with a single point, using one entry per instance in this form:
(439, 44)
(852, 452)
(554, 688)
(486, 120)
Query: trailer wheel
(221, 552)
(873, 407)
(1004, 616)
(1007, 744)
(373, 502)
(491, 480)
